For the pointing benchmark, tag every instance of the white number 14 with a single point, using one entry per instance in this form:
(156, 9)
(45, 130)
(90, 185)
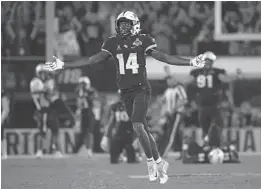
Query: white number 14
(131, 63)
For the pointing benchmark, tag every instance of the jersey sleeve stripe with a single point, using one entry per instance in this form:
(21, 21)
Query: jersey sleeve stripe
(107, 51)
(150, 47)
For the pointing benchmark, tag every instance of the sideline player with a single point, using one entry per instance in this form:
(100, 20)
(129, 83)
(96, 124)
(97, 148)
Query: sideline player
(122, 137)
(5, 110)
(57, 108)
(175, 99)
(129, 49)
(42, 104)
(85, 99)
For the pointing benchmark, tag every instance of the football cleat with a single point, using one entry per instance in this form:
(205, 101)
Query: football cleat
(152, 170)
(162, 169)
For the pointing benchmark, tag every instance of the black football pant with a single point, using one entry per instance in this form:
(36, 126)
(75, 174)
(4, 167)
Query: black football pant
(171, 132)
(211, 122)
(87, 126)
(122, 139)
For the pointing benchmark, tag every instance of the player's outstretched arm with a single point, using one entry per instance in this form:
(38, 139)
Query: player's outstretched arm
(176, 60)
(57, 64)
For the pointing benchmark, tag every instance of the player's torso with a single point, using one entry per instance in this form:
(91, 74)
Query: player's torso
(52, 92)
(208, 86)
(84, 100)
(39, 92)
(130, 61)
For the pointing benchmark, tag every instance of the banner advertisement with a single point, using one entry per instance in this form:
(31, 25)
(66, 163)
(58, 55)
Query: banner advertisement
(26, 141)
(245, 140)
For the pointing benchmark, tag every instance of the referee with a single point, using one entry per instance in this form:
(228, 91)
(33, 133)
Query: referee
(174, 99)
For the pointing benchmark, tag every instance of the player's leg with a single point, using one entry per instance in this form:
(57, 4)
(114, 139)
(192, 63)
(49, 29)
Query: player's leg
(134, 108)
(54, 124)
(140, 108)
(41, 119)
(215, 131)
(204, 117)
(137, 122)
(116, 146)
(127, 139)
(89, 121)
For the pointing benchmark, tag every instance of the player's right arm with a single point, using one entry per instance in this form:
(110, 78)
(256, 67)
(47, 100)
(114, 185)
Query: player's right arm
(104, 54)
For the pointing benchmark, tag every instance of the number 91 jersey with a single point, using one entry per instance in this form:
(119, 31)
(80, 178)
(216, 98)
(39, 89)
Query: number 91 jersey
(130, 58)
(208, 85)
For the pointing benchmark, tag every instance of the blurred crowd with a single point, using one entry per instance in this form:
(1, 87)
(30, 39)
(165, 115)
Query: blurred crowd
(242, 17)
(82, 26)
(23, 28)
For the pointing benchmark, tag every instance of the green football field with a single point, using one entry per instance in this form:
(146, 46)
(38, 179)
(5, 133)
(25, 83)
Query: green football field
(77, 172)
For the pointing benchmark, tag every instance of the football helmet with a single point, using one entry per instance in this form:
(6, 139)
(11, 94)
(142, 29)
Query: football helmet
(85, 80)
(125, 30)
(209, 56)
(41, 71)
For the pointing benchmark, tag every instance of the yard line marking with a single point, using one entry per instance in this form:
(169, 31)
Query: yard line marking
(199, 175)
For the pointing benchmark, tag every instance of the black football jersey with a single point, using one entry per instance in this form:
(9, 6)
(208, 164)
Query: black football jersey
(130, 58)
(208, 85)
(85, 97)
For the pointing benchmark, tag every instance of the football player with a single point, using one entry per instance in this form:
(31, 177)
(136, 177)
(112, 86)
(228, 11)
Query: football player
(57, 109)
(122, 137)
(5, 110)
(209, 85)
(41, 102)
(129, 49)
(85, 99)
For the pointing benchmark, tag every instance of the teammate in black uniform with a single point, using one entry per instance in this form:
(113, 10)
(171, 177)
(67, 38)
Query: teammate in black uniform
(122, 137)
(129, 49)
(209, 93)
(85, 97)
(5, 109)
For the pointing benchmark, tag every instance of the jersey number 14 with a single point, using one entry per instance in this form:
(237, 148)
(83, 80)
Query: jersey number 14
(131, 63)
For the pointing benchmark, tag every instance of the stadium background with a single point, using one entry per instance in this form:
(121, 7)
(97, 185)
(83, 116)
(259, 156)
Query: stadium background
(34, 31)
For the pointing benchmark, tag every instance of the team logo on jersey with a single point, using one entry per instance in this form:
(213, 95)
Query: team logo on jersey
(137, 42)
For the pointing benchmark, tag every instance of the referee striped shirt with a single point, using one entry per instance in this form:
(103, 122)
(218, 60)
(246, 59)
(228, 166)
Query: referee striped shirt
(175, 98)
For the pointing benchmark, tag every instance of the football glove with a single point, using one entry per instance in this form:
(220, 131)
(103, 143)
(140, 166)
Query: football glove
(56, 64)
(105, 143)
(198, 61)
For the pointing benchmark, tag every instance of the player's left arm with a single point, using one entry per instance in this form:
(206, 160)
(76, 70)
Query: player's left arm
(150, 49)
(6, 108)
(228, 80)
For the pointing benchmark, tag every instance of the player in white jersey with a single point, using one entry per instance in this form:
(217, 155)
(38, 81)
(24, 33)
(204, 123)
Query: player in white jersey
(38, 94)
(57, 108)
(174, 98)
